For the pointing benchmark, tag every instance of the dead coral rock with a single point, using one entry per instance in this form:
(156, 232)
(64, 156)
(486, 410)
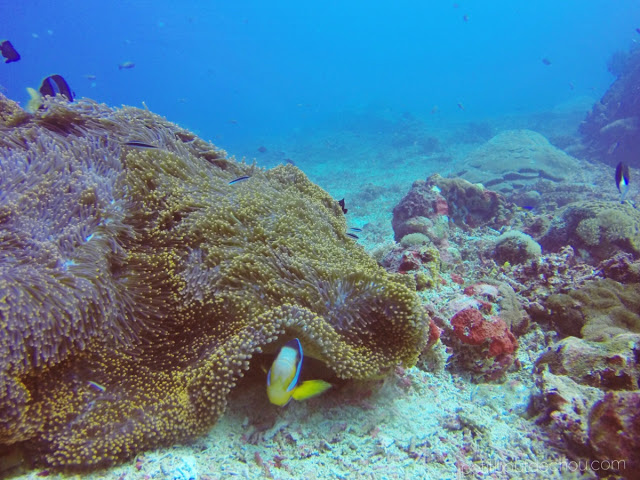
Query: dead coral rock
(574, 376)
(621, 268)
(516, 161)
(429, 206)
(548, 274)
(566, 404)
(422, 262)
(598, 310)
(614, 432)
(598, 228)
(138, 284)
(608, 365)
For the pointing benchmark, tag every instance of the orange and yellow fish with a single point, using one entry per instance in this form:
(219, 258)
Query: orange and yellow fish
(284, 376)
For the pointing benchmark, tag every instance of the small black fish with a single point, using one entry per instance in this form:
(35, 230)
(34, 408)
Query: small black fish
(289, 161)
(139, 145)
(353, 235)
(546, 61)
(8, 52)
(355, 229)
(56, 85)
(262, 149)
(341, 203)
(622, 180)
(239, 179)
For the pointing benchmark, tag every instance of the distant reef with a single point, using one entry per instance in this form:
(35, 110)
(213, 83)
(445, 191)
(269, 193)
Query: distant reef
(138, 280)
(611, 131)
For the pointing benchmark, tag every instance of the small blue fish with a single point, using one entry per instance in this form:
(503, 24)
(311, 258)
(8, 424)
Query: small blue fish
(284, 375)
(239, 179)
(355, 229)
(352, 235)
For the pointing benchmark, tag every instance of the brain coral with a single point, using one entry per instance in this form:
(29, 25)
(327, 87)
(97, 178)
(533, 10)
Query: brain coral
(136, 284)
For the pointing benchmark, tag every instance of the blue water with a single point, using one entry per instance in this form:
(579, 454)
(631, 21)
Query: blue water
(239, 73)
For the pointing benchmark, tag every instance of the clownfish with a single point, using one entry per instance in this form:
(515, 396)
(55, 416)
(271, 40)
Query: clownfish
(284, 375)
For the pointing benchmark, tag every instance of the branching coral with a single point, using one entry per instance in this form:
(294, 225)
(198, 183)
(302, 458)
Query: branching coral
(135, 285)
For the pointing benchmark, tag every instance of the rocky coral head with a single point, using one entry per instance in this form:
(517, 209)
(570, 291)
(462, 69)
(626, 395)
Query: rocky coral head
(598, 229)
(139, 283)
(428, 207)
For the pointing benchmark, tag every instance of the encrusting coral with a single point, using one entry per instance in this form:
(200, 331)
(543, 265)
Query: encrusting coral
(137, 283)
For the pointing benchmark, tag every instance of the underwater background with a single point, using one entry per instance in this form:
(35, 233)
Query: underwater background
(242, 73)
(481, 152)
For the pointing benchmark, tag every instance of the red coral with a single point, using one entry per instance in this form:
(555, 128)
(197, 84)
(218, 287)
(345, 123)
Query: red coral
(470, 327)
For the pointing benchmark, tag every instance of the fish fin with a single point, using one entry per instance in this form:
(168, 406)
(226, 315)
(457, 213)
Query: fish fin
(310, 388)
(295, 344)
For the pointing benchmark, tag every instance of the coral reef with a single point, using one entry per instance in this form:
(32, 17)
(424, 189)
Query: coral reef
(610, 132)
(137, 284)
(597, 229)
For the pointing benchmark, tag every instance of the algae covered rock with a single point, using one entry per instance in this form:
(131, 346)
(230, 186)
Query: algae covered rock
(516, 247)
(598, 310)
(516, 160)
(589, 392)
(607, 365)
(600, 229)
(137, 284)
(614, 432)
(430, 205)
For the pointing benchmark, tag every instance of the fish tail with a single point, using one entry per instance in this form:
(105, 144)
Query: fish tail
(310, 388)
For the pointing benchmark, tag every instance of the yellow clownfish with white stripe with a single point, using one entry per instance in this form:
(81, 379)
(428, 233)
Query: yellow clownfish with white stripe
(284, 374)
